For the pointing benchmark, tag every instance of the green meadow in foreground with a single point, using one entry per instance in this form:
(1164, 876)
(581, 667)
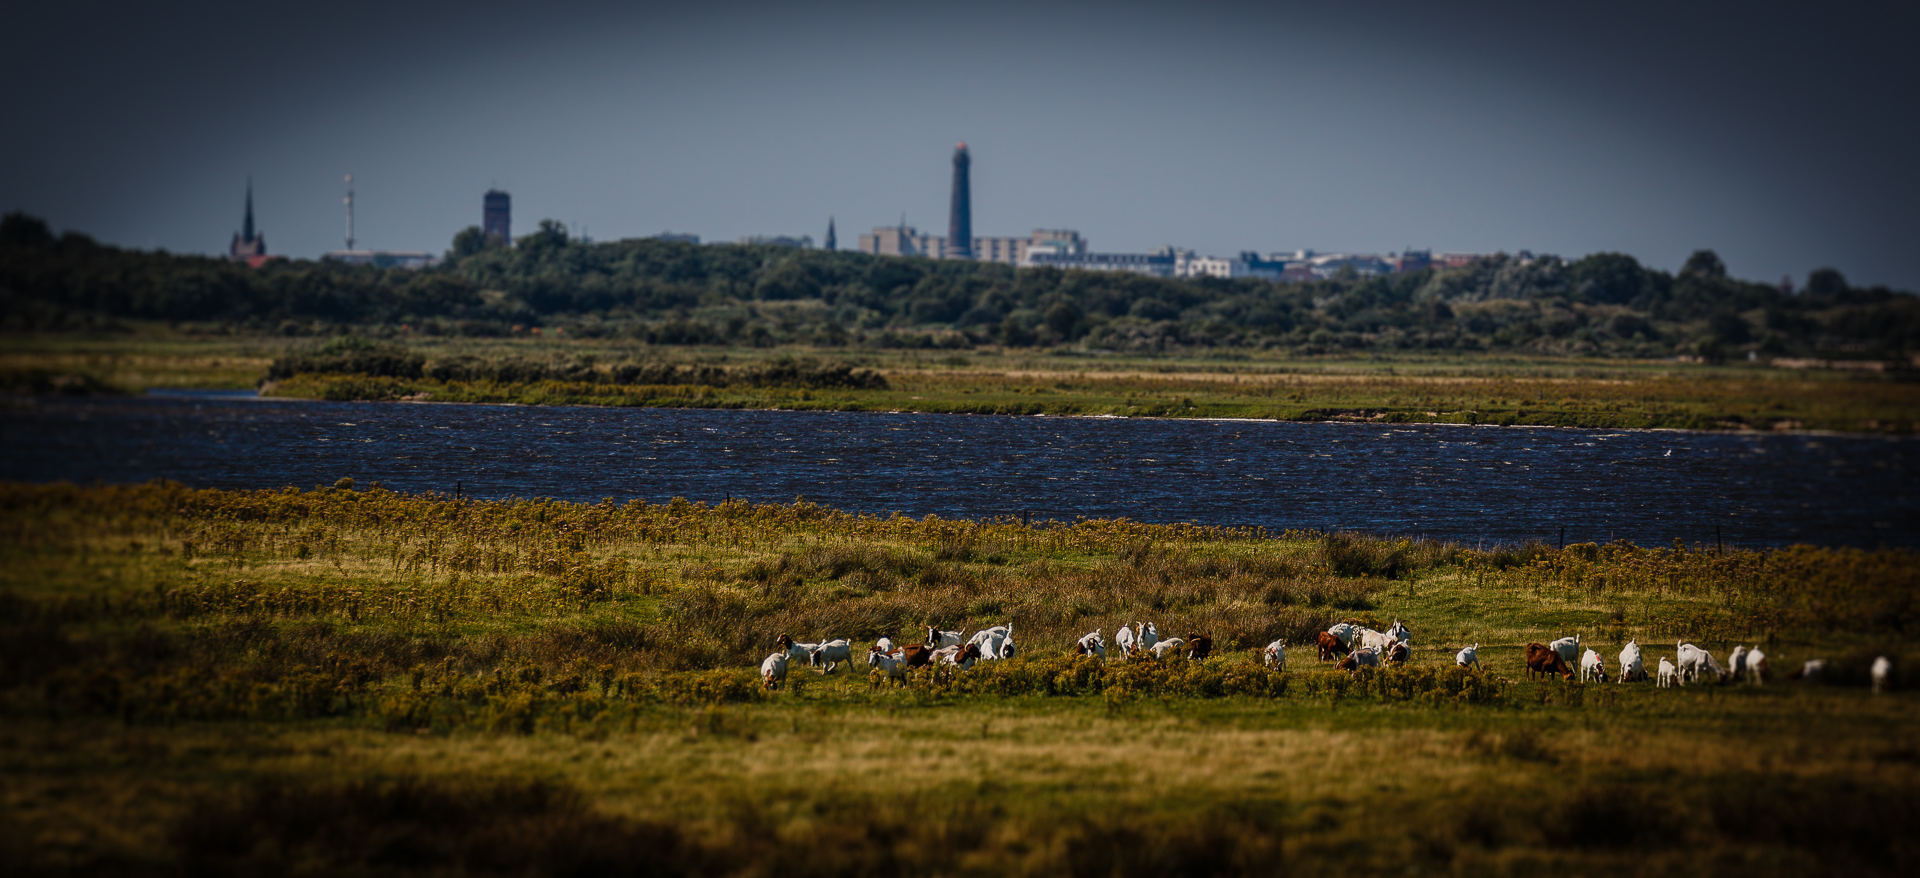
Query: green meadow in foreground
(342, 681)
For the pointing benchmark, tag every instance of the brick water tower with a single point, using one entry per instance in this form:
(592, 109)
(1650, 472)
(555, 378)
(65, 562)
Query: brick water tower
(496, 219)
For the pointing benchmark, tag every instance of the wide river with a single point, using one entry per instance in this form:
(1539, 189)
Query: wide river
(1471, 484)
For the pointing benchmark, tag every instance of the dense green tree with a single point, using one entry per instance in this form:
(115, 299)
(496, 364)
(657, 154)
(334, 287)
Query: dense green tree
(467, 242)
(1704, 264)
(1826, 282)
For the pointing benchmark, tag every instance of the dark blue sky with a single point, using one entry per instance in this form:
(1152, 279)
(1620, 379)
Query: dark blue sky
(1779, 135)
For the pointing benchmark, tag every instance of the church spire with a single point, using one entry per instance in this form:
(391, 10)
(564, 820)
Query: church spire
(248, 244)
(830, 242)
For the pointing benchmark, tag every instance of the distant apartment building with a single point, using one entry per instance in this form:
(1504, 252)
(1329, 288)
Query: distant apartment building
(1162, 263)
(903, 240)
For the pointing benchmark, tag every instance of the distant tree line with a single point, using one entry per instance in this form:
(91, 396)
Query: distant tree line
(674, 293)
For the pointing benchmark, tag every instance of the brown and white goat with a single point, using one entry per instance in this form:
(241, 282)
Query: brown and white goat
(1544, 659)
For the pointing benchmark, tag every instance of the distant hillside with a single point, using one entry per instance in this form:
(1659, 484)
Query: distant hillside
(673, 293)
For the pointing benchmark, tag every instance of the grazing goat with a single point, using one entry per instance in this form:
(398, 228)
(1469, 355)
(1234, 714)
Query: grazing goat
(1693, 660)
(961, 657)
(1882, 674)
(1275, 655)
(1006, 646)
(884, 644)
(773, 671)
(1669, 677)
(1149, 635)
(1468, 658)
(1364, 657)
(1568, 648)
(1756, 667)
(1171, 644)
(937, 638)
(1631, 668)
(891, 668)
(1399, 632)
(1544, 659)
(1329, 645)
(1123, 640)
(1346, 632)
(991, 639)
(1810, 670)
(1737, 662)
(1398, 653)
(1199, 646)
(1093, 643)
(1377, 641)
(1592, 669)
(916, 655)
(830, 654)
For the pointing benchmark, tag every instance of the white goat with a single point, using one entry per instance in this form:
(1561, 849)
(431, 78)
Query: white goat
(891, 668)
(1399, 632)
(1093, 643)
(1631, 669)
(1882, 674)
(937, 638)
(1592, 669)
(1568, 648)
(1756, 667)
(1811, 670)
(1149, 635)
(802, 652)
(830, 654)
(1468, 658)
(1123, 640)
(990, 640)
(1378, 641)
(1669, 677)
(1172, 644)
(1737, 662)
(1275, 655)
(773, 671)
(1693, 660)
(1346, 631)
(884, 644)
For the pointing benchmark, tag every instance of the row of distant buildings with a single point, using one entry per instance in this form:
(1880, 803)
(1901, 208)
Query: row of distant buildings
(1065, 249)
(1045, 248)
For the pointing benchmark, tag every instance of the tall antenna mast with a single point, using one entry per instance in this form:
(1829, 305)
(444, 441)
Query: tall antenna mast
(349, 211)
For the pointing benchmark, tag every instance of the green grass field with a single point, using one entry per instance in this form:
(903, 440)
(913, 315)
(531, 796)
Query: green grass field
(357, 682)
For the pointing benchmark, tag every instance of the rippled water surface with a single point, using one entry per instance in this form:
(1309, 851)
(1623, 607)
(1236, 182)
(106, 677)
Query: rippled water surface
(1464, 483)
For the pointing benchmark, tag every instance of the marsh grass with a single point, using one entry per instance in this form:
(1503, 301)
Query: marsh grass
(348, 681)
(1403, 387)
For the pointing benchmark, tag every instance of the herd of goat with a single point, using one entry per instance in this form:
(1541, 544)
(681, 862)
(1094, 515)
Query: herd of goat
(1350, 644)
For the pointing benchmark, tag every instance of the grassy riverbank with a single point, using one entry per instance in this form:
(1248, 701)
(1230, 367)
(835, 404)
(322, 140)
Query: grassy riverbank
(357, 681)
(1410, 388)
